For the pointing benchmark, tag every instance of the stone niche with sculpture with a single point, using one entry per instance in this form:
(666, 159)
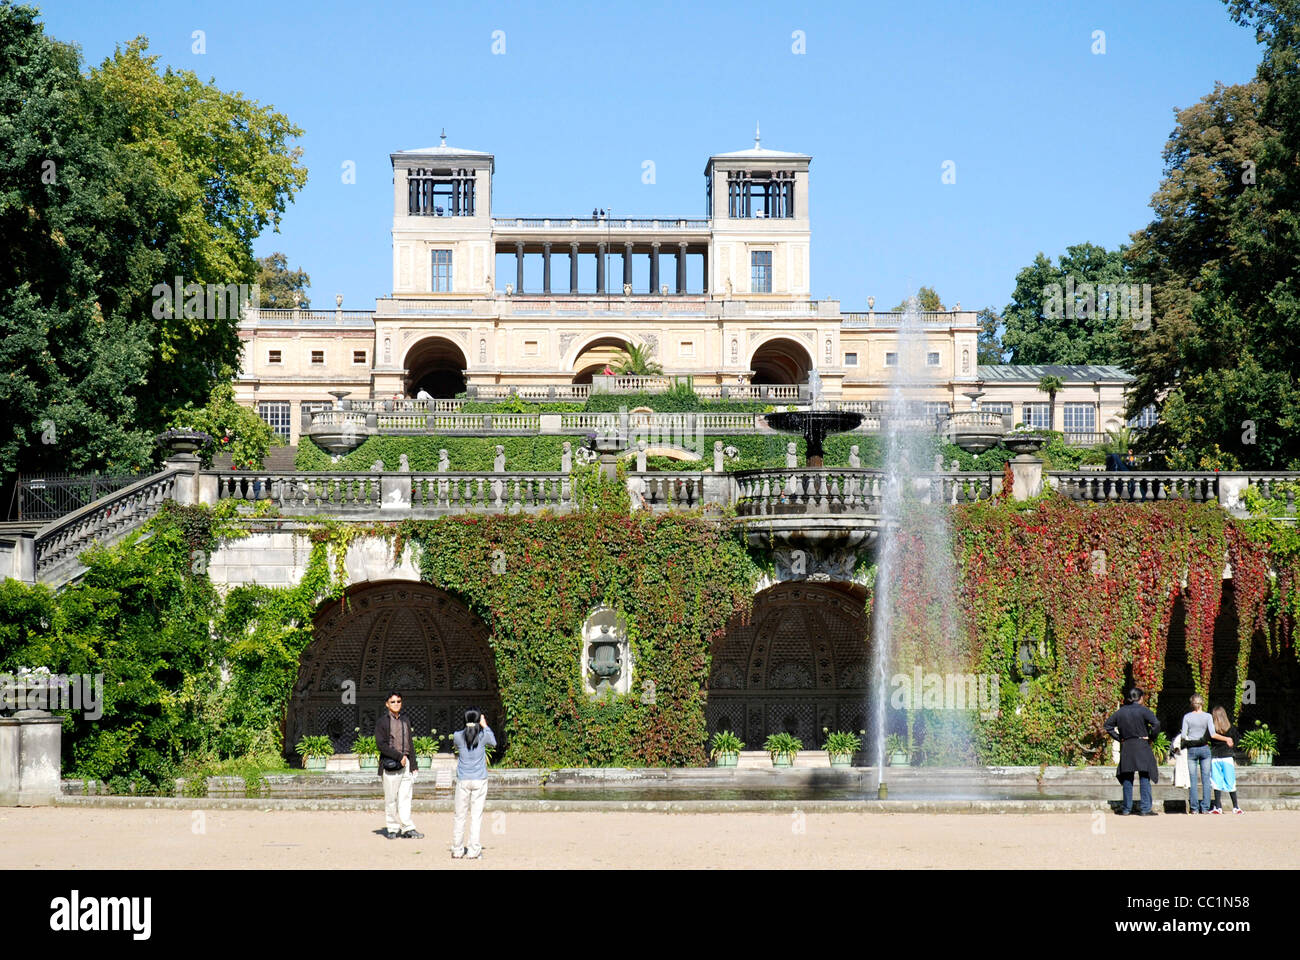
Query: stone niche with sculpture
(606, 653)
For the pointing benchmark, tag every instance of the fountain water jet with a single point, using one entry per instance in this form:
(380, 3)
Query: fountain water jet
(907, 451)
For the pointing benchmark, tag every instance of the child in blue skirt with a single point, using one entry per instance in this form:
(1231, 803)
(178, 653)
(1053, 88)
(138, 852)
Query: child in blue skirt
(1223, 769)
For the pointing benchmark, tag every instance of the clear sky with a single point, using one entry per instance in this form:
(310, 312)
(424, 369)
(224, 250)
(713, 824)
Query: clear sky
(1052, 143)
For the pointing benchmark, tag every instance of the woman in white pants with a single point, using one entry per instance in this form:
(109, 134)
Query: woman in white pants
(471, 782)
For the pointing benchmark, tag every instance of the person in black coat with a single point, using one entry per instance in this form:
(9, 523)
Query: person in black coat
(1133, 725)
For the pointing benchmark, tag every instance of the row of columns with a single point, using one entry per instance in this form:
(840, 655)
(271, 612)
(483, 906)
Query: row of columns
(600, 267)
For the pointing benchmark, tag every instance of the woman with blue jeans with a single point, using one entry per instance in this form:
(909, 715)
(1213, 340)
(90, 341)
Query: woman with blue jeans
(471, 782)
(1197, 727)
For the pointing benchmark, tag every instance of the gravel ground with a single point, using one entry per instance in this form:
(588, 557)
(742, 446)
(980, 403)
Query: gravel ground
(64, 837)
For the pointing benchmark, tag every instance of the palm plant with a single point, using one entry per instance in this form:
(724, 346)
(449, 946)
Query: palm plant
(636, 361)
(1051, 385)
(1118, 441)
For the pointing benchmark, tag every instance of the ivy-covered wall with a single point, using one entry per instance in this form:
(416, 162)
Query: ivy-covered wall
(1092, 587)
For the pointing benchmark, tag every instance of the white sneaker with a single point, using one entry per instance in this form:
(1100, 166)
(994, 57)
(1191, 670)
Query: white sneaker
(477, 854)
(458, 853)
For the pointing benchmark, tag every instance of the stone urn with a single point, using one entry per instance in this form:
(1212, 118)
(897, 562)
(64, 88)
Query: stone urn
(1024, 444)
(181, 444)
(607, 442)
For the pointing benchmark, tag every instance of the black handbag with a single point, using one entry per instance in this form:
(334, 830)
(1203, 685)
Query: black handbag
(390, 764)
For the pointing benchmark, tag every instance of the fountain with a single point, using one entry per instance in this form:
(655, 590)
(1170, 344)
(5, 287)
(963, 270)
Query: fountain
(907, 452)
(816, 423)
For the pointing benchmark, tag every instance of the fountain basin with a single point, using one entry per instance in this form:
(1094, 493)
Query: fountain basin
(815, 426)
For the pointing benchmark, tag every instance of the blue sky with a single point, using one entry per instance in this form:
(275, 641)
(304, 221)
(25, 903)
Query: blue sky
(1052, 144)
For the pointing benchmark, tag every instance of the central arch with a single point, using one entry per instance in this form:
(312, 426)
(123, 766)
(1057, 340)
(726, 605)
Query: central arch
(600, 353)
(797, 662)
(781, 361)
(393, 635)
(435, 365)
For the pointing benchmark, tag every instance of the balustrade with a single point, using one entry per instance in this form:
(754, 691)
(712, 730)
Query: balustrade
(1136, 486)
(102, 521)
(491, 492)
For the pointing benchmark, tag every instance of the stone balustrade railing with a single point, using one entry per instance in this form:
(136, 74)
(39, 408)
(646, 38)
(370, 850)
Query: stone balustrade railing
(540, 392)
(404, 406)
(58, 544)
(682, 490)
(323, 492)
(426, 493)
(1281, 486)
(981, 419)
(599, 223)
(490, 493)
(830, 491)
(1136, 486)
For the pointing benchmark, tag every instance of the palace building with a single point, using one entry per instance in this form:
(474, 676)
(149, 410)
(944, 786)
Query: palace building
(537, 307)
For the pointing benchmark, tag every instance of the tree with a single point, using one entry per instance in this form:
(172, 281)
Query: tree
(989, 348)
(112, 183)
(927, 301)
(1069, 312)
(1223, 255)
(636, 361)
(236, 430)
(277, 283)
(1051, 386)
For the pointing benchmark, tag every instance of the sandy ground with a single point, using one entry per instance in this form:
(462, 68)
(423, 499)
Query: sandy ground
(106, 838)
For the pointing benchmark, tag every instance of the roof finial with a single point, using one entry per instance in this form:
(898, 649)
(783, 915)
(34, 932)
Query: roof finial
(444, 137)
(756, 135)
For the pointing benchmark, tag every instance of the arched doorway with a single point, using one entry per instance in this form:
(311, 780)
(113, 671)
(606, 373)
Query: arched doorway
(397, 635)
(596, 356)
(436, 365)
(797, 663)
(781, 361)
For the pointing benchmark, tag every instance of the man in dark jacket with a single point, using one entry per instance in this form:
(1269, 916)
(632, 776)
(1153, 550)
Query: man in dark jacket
(397, 767)
(1133, 725)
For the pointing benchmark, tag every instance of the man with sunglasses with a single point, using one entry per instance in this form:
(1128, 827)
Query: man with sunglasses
(397, 767)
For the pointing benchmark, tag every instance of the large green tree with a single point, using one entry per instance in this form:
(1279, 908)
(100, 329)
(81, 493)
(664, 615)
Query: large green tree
(1223, 253)
(1062, 312)
(989, 349)
(927, 301)
(277, 284)
(113, 182)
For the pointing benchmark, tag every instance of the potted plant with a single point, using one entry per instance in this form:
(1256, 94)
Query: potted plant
(425, 748)
(1160, 747)
(896, 747)
(841, 747)
(314, 752)
(726, 749)
(367, 751)
(1024, 440)
(1260, 744)
(783, 747)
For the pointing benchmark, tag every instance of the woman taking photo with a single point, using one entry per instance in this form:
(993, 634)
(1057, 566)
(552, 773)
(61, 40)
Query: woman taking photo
(471, 782)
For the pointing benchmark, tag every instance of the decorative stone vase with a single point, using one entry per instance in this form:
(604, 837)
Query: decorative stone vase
(1024, 443)
(899, 759)
(841, 759)
(1261, 759)
(607, 443)
(424, 762)
(783, 759)
(314, 763)
(369, 763)
(725, 759)
(180, 441)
